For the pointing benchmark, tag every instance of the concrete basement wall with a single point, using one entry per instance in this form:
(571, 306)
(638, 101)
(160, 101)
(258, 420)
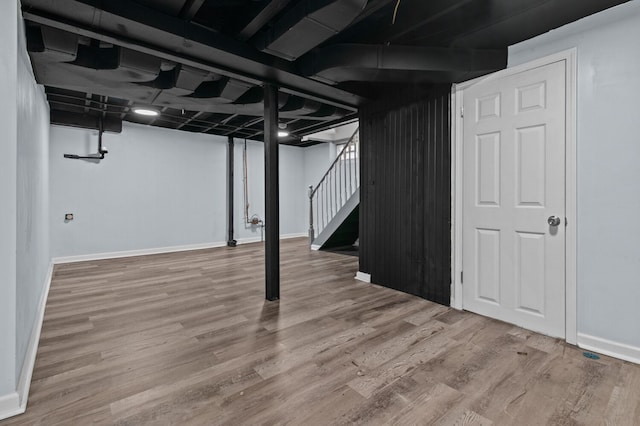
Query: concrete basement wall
(160, 188)
(608, 163)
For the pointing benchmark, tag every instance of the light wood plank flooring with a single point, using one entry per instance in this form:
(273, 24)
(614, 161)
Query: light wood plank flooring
(187, 338)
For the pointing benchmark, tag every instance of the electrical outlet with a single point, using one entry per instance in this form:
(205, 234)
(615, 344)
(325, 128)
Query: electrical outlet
(68, 216)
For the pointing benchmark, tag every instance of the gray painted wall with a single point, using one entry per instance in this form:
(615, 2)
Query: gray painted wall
(8, 187)
(160, 188)
(292, 194)
(24, 231)
(32, 228)
(156, 188)
(608, 164)
(317, 160)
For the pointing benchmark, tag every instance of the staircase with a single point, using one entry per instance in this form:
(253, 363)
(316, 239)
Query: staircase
(334, 201)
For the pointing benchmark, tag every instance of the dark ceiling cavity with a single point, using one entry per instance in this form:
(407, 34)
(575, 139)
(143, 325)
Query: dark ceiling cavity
(202, 63)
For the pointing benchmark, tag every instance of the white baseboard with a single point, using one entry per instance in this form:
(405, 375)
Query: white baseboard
(609, 348)
(250, 240)
(161, 250)
(363, 276)
(10, 405)
(131, 253)
(28, 364)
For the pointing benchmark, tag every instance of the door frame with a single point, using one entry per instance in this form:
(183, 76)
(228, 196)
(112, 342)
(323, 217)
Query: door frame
(457, 97)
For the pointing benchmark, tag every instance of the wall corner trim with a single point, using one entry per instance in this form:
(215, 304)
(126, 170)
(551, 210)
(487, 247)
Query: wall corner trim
(609, 348)
(363, 276)
(10, 405)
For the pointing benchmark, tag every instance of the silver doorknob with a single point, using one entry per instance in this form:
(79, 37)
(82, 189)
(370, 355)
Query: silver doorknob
(554, 220)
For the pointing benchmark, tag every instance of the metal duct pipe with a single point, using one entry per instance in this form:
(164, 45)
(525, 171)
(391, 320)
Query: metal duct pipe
(102, 151)
(361, 62)
(307, 25)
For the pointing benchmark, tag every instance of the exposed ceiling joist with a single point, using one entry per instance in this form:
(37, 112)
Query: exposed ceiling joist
(262, 18)
(199, 60)
(190, 119)
(306, 25)
(248, 124)
(87, 103)
(190, 9)
(223, 123)
(139, 28)
(126, 109)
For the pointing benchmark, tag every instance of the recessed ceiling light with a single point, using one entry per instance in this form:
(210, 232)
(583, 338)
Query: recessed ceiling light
(146, 111)
(282, 134)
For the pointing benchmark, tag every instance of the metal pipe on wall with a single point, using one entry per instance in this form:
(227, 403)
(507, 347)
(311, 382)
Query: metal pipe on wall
(231, 242)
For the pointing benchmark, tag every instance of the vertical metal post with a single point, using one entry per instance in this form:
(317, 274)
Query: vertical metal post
(231, 242)
(311, 230)
(100, 132)
(272, 193)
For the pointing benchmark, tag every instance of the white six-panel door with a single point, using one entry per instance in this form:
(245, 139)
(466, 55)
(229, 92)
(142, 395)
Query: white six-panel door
(513, 260)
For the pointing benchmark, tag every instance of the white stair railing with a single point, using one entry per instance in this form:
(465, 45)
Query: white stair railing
(335, 188)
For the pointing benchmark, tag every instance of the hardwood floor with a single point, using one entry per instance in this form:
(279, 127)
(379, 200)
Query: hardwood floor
(187, 338)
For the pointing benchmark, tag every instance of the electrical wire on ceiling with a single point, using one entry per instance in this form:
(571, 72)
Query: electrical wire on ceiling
(395, 12)
(393, 19)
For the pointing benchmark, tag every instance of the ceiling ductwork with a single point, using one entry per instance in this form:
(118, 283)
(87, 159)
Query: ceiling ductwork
(357, 62)
(307, 25)
(72, 119)
(202, 64)
(143, 29)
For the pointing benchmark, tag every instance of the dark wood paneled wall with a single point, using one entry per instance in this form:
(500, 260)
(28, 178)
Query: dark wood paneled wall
(405, 193)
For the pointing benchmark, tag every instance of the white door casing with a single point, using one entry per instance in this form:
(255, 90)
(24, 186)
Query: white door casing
(513, 172)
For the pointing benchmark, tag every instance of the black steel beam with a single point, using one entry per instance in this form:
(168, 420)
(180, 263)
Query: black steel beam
(271, 193)
(231, 242)
(136, 27)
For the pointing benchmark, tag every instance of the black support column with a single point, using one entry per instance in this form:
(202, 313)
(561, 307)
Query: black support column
(272, 193)
(231, 242)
